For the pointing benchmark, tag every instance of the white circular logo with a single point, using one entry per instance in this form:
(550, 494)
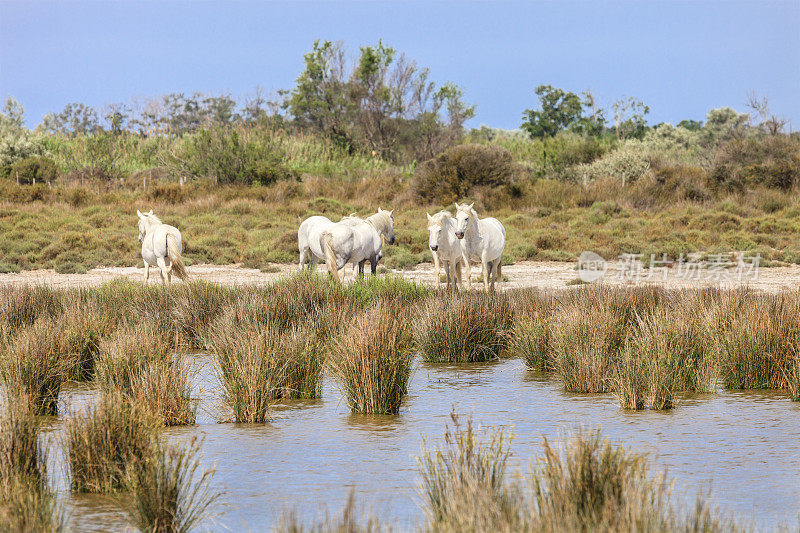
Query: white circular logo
(591, 267)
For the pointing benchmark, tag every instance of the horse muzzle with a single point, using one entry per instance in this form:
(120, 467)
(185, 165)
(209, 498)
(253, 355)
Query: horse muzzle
(391, 241)
(434, 247)
(460, 234)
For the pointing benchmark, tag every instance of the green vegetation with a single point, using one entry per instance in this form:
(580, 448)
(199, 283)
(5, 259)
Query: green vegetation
(237, 177)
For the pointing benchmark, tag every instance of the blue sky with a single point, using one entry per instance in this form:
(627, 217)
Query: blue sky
(680, 58)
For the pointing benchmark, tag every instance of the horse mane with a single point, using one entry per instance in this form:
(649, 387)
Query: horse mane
(154, 219)
(438, 219)
(382, 218)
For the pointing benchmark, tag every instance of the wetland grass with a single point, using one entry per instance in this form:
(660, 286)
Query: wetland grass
(586, 343)
(463, 328)
(372, 360)
(137, 363)
(26, 501)
(102, 444)
(169, 491)
(33, 365)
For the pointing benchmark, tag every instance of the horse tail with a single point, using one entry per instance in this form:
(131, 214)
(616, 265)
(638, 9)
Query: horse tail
(330, 257)
(174, 253)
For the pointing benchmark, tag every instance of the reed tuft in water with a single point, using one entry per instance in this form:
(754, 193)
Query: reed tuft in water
(372, 360)
(169, 492)
(33, 365)
(103, 443)
(463, 328)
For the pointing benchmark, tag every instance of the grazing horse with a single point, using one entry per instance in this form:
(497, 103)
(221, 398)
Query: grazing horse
(446, 248)
(483, 241)
(161, 246)
(355, 240)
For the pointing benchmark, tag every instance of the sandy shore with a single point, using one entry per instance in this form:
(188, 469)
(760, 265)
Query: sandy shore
(545, 275)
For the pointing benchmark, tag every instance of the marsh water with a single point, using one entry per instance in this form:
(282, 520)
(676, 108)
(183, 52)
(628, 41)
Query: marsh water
(743, 447)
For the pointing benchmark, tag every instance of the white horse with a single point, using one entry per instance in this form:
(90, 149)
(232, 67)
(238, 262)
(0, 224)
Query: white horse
(355, 240)
(308, 238)
(446, 248)
(483, 241)
(161, 246)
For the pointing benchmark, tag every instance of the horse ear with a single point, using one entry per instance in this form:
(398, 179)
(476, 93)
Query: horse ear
(470, 205)
(380, 210)
(456, 205)
(391, 212)
(429, 216)
(150, 212)
(139, 213)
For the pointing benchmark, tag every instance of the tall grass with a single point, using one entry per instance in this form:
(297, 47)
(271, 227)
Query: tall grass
(463, 328)
(372, 360)
(22, 306)
(104, 443)
(137, 363)
(464, 484)
(761, 344)
(168, 491)
(26, 501)
(586, 343)
(195, 306)
(250, 367)
(85, 325)
(33, 365)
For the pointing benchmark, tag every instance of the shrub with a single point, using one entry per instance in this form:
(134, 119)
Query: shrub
(464, 328)
(772, 161)
(168, 494)
(102, 445)
(372, 360)
(453, 174)
(34, 170)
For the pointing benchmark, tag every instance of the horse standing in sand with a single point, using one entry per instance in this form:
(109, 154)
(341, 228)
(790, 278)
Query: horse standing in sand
(355, 240)
(161, 246)
(446, 248)
(483, 241)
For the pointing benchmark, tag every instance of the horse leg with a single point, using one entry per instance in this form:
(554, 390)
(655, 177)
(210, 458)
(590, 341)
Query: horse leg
(373, 265)
(146, 271)
(437, 268)
(302, 258)
(486, 270)
(360, 268)
(468, 273)
(458, 283)
(162, 265)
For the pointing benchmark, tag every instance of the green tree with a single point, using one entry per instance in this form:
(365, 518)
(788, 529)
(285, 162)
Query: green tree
(629, 118)
(558, 110)
(691, 125)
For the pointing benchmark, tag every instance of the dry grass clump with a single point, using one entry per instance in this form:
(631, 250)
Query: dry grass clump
(22, 306)
(530, 335)
(350, 521)
(102, 444)
(168, 492)
(463, 328)
(464, 483)
(761, 343)
(195, 306)
(303, 348)
(251, 366)
(33, 365)
(593, 485)
(586, 343)
(26, 501)
(137, 363)
(85, 324)
(372, 360)
(663, 353)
